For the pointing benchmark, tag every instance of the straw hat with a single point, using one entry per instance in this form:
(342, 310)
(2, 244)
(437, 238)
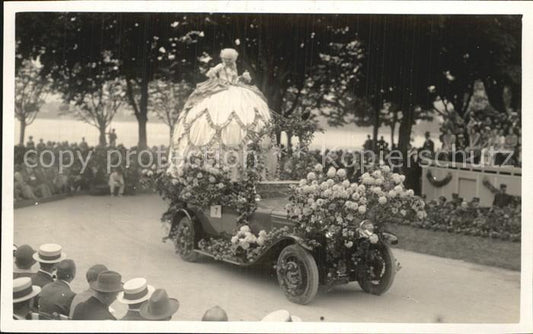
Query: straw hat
(136, 290)
(49, 253)
(281, 316)
(24, 290)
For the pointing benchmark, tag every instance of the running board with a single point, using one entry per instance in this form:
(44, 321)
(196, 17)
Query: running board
(224, 260)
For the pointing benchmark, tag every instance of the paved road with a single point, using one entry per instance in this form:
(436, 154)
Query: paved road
(124, 233)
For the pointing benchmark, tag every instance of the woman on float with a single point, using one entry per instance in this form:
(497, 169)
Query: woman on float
(222, 116)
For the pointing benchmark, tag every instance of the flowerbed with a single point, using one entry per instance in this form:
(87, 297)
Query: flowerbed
(498, 223)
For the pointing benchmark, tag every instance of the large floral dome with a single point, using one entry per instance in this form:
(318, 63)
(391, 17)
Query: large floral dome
(229, 119)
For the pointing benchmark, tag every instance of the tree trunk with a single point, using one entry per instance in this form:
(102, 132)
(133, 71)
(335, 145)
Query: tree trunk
(377, 109)
(404, 138)
(101, 137)
(142, 117)
(392, 130)
(171, 130)
(22, 132)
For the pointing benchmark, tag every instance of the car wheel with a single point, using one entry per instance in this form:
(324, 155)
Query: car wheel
(297, 274)
(185, 240)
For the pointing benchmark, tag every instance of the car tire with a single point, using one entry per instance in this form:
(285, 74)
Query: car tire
(185, 239)
(297, 274)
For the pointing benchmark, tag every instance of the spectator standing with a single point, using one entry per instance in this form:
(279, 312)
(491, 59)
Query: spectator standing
(136, 292)
(24, 261)
(107, 287)
(368, 143)
(501, 198)
(23, 294)
(30, 144)
(429, 145)
(116, 180)
(91, 276)
(41, 145)
(56, 297)
(112, 138)
(159, 306)
(83, 145)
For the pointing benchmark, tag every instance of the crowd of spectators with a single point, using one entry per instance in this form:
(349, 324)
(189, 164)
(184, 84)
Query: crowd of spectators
(481, 131)
(39, 173)
(46, 294)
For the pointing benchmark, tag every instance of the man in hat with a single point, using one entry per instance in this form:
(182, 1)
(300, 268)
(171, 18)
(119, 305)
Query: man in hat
(48, 256)
(23, 294)
(91, 276)
(56, 297)
(281, 316)
(216, 313)
(106, 287)
(23, 262)
(159, 306)
(136, 291)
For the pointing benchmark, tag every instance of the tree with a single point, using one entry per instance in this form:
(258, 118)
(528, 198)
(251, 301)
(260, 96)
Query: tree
(98, 107)
(78, 48)
(30, 90)
(167, 100)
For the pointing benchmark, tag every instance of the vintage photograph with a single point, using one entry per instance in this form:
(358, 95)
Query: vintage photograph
(248, 167)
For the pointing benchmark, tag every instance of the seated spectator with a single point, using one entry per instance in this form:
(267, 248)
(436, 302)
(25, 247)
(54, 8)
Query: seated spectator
(24, 262)
(56, 297)
(511, 140)
(91, 276)
(48, 256)
(159, 306)
(216, 313)
(23, 294)
(116, 180)
(281, 316)
(22, 188)
(136, 292)
(106, 287)
(448, 141)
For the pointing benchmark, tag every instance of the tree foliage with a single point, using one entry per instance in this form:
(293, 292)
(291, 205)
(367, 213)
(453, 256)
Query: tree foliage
(167, 100)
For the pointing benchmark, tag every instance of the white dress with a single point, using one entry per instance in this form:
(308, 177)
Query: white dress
(223, 114)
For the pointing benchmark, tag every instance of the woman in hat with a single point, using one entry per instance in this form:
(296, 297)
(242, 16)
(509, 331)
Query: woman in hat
(136, 292)
(159, 306)
(23, 294)
(223, 114)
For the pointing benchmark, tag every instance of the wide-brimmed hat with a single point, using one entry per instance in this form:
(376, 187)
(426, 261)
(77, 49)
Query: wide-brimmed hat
(49, 253)
(24, 256)
(24, 290)
(107, 281)
(159, 306)
(281, 316)
(136, 290)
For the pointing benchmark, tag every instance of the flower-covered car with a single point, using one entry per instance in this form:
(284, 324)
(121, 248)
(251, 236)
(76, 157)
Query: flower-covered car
(330, 232)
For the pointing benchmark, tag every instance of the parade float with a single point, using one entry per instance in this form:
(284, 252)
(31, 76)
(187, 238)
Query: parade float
(321, 230)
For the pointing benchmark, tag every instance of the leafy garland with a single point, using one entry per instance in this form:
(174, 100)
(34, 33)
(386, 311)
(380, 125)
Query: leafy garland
(438, 183)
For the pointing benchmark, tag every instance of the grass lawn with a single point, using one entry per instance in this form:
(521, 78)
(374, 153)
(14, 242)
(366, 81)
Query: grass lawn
(491, 252)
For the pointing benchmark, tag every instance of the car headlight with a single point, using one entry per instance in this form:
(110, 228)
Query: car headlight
(165, 229)
(367, 227)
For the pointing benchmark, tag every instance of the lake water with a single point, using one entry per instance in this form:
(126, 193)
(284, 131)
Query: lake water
(158, 133)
